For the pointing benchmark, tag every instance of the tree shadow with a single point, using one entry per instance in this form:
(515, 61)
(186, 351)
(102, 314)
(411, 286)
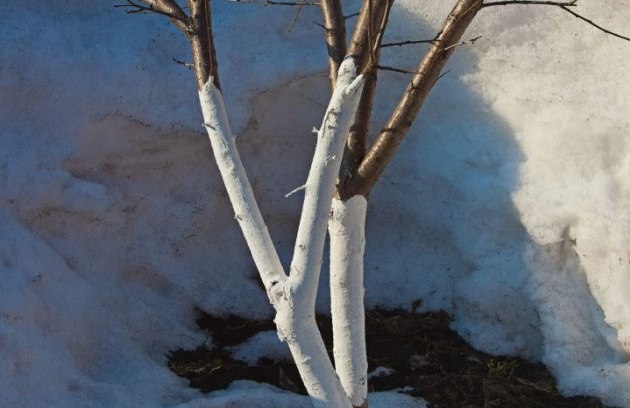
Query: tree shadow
(441, 226)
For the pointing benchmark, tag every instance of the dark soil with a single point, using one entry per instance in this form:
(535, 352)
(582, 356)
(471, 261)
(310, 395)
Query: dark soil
(429, 359)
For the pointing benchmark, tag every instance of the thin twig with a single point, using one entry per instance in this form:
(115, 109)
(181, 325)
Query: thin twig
(572, 3)
(351, 15)
(404, 71)
(294, 18)
(394, 69)
(166, 8)
(467, 42)
(139, 8)
(265, 3)
(590, 22)
(381, 29)
(408, 42)
(564, 5)
(295, 190)
(184, 63)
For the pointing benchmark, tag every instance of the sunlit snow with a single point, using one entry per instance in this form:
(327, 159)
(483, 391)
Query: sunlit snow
(507, 205)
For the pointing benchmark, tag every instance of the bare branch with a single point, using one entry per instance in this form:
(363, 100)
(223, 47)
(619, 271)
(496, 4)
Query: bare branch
(168, 8)
(405, 71)
(415, 94)
(202, 43)
(366, 51)
(564, 5)
(294, 18)
(265, 3)
(572, 3)
(184, 63)
(370, 19)
(590, 22)
(394, 69)
(349, 16)
(408, 42)
(376, 45)
(335, 31)
(459, 44)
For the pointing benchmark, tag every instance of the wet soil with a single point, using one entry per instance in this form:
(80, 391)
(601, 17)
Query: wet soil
(425, 358)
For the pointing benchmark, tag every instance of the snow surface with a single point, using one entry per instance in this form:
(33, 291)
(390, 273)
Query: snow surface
(507, 206)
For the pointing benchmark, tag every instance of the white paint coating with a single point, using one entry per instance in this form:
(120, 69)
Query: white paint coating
(346, 229)
(239, 190)
(309, 354)
(309, 244)
(294, 319)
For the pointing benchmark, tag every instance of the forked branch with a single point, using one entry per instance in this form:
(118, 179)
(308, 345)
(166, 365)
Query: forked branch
(365, 47)
(168, 8)
(405, 112)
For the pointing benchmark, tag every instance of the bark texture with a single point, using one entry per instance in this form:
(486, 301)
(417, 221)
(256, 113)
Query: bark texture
(364, 48)
(320, 184)
(413, 98)
(335, 31)
(346, 229)
(202, 44)
(295, 317)
(240, 192)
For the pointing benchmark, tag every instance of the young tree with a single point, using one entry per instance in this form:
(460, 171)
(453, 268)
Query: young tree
(342, 174)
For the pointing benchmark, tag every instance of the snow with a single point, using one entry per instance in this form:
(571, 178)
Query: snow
(251, 394)
(506, 206)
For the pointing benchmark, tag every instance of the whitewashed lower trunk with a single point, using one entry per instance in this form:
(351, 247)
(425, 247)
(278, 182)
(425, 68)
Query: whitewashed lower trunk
(293, 297)
(240, 192)
(320, 183)
(296, 323)
(346, 229)
(299, 330)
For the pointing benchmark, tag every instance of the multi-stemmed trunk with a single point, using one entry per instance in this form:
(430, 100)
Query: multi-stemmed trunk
(293, 296)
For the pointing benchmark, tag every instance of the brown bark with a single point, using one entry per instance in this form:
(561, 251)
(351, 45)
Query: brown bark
(171, 9)
(415, 94)
(365, 48)
(202, 43)
(335, 31)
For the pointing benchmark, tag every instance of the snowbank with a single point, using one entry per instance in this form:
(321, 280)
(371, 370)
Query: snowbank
(507, 205)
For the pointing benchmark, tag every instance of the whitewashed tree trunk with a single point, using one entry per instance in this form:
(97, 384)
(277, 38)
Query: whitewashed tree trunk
(293, 297)
(320, 184)
(240, 192)
(296, 324)
(346, 229)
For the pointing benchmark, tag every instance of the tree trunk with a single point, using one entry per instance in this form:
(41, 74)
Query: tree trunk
(292, 297)
(346, 229)
(239, 190)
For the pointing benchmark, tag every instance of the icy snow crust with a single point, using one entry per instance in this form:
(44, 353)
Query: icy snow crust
(507, 206)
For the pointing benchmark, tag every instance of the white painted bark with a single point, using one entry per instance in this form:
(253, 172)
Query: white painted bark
(296, 323)
(293, 298)
(240, 192)
(301, 333)
(331, 137)
(346, 229)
